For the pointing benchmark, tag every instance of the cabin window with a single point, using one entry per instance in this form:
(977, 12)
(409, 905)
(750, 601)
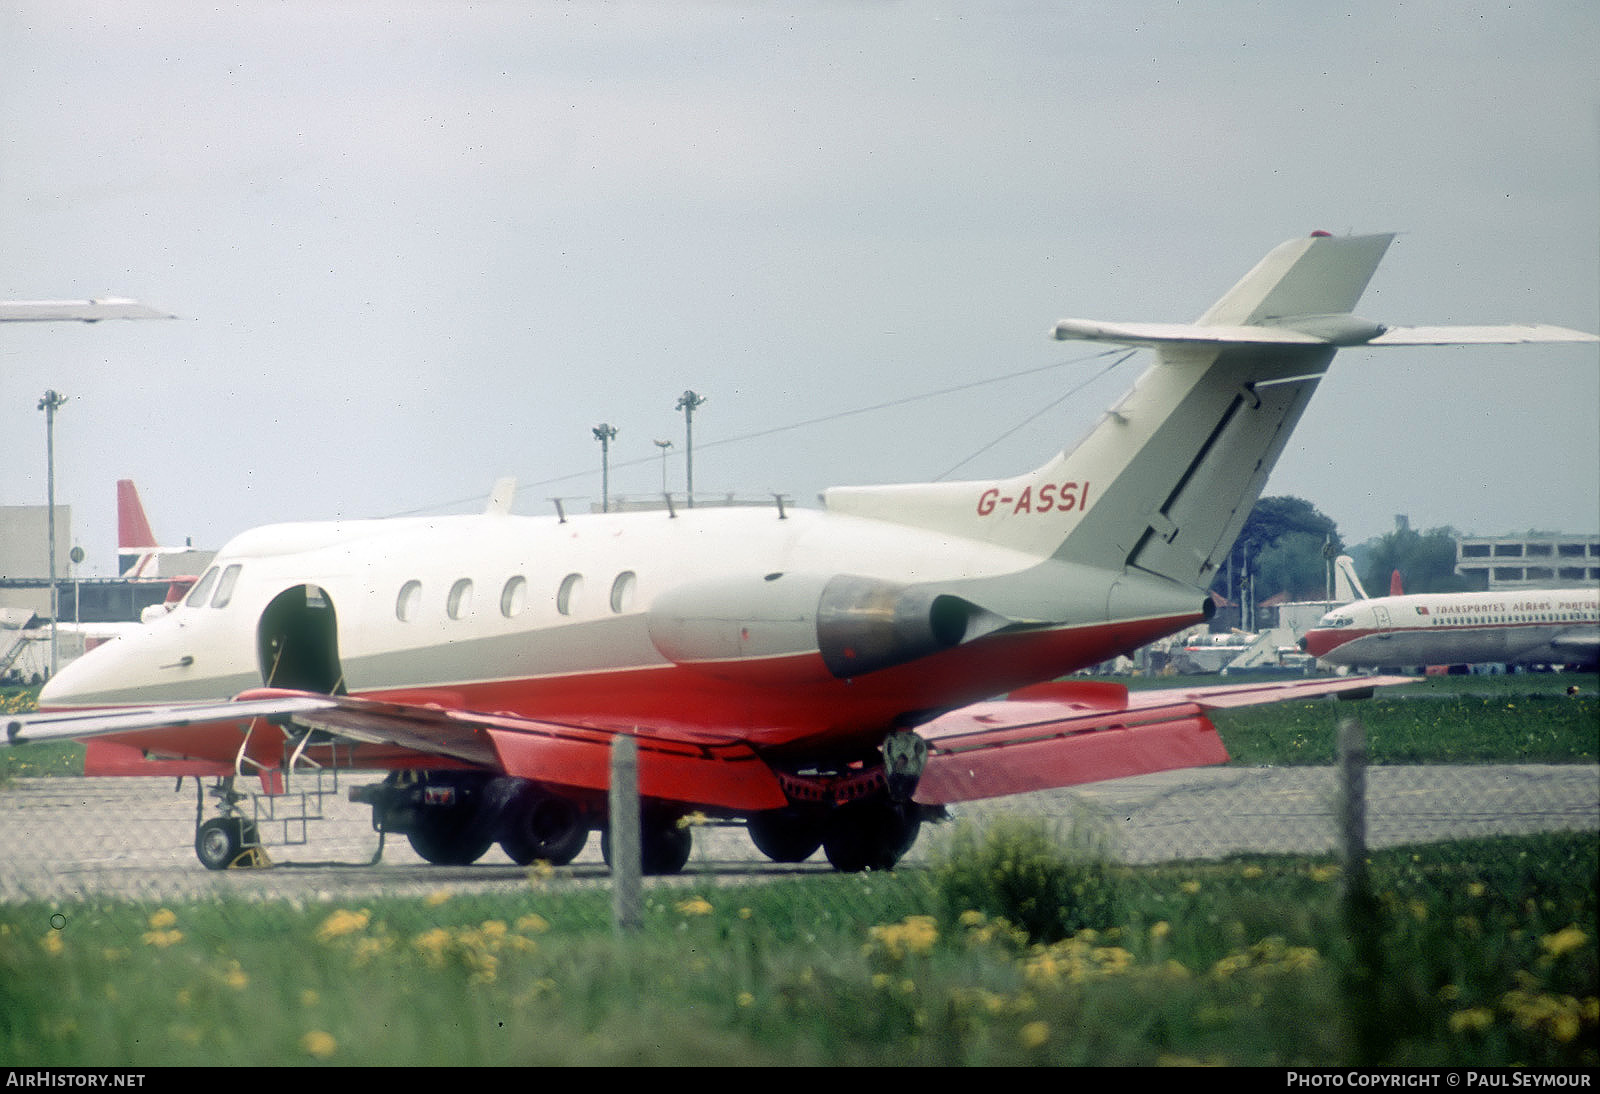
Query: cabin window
(570, 594)
(459, 602)
(622, 591)
(225, 586)
(514, 597)
(406, 604)
(202, 589)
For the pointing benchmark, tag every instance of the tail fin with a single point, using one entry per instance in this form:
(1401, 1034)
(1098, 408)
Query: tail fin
(134, 537)
(1347, 586)
(1164, 482)
(1396, 586)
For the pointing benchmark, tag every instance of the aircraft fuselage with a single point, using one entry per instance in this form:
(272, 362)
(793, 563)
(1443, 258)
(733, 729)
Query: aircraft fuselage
(720, 624)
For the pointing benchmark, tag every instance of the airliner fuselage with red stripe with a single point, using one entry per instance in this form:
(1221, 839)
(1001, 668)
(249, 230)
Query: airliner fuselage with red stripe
(1522, 627)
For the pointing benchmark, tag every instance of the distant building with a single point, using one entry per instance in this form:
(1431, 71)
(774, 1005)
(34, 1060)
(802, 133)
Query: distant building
(25, 572)
(1532, 561)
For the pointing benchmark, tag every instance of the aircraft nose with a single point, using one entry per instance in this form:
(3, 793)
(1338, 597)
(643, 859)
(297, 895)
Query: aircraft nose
(1319, 642)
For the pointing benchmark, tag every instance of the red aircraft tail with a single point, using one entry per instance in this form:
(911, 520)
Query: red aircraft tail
(135, 540)
(1395, 587)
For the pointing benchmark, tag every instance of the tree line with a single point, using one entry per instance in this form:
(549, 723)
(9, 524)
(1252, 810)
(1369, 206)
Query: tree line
(1288, 546)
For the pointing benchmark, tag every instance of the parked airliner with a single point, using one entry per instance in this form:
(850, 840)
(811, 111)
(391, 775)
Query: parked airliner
(1523, 627)
(829, 677)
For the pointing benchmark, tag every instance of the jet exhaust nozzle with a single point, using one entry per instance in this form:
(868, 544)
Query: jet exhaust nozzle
(864, 625)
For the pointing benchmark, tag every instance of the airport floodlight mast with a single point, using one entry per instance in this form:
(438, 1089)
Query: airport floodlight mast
(663, 445)
(603, 433)
(687, 403)
(50, 404)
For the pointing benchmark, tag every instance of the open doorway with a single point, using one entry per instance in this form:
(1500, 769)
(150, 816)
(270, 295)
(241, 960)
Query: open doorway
(297, 642)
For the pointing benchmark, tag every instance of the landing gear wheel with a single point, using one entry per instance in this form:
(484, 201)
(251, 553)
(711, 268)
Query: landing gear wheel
(542, 827)
(785, 835)
(870, 835)
(664, 849)
(448, 837)
(221, 840)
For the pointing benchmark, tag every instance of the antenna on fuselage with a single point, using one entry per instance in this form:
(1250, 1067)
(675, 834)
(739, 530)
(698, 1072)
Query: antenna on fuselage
(501, 496)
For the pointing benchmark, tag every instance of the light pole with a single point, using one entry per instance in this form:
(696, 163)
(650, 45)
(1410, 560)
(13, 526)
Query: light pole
(687, 403)
(50, 404)
(603, 433)
(663, 445)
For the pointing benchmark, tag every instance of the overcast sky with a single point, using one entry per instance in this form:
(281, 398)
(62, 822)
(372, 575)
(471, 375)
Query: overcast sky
(416, 246)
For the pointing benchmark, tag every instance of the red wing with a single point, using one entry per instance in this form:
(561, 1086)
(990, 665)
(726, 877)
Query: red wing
(727, 776)
(1065, 734)
(196, 738)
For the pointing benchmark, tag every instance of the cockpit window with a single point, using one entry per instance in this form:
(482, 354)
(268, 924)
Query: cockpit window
(225, 586)
(202, 589)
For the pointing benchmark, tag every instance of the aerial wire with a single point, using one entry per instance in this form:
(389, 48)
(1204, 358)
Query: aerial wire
(1121, 356)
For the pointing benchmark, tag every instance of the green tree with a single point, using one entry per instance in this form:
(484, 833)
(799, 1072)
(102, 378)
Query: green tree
(1426, 561)
(1285, 544)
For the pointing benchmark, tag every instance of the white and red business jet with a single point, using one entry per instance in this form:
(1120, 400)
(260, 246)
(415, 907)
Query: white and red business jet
(827, 676)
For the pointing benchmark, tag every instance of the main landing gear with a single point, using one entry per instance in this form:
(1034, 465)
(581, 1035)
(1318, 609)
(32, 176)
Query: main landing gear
(861, 816)
(451, 818)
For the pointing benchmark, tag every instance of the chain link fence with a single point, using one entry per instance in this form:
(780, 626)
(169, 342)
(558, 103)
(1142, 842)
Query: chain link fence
(68, 838)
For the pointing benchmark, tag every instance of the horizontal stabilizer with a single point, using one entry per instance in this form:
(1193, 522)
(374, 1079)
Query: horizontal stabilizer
(1505, 335)
(1351, 332)
(1150, 335)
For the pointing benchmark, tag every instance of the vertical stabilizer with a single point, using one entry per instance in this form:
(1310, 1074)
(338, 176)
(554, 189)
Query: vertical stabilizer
(1347, 587)
(133, 528)
(1163, 484)
(136, 543)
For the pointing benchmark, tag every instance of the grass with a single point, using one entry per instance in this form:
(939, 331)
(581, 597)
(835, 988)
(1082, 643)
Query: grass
(1488, 959)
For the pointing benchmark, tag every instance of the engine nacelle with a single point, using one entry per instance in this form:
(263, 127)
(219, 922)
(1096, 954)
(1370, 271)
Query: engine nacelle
(761, 627)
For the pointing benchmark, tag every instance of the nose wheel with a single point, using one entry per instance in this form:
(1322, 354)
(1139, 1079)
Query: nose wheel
(222, 842)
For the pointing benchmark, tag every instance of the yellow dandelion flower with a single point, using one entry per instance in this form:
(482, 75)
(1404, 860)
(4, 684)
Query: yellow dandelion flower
(1190, 887)
(698, 905)
(341, 923)
(163, 919)
(746, 999)
(162, 939)
(319, 1044)
(1324, 873)
(236, 979)
(1476, 889)
(1034, 1034)
(1253, 872)
(971, 918)
(437, 897)
(1160, 930)
(433, 945)
(309, 997)
(52, 943)
(533, 924)
(746, 913)
(1563, 941)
